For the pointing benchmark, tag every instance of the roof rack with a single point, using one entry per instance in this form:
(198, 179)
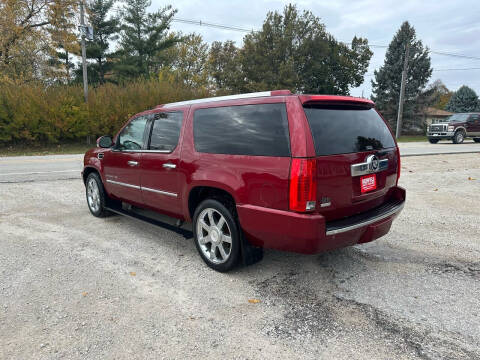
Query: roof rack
(228, 97)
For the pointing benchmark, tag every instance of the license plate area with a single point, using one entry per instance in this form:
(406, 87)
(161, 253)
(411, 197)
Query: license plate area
(368, 183)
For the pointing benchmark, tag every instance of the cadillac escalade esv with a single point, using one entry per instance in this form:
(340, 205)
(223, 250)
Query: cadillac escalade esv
(303, 173)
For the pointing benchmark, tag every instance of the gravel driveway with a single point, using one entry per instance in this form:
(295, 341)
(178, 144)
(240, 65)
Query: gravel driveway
(76, 287)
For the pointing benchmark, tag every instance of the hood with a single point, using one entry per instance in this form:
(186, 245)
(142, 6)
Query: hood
(456, 123)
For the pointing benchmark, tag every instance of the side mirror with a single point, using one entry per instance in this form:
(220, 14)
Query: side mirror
(105, 141)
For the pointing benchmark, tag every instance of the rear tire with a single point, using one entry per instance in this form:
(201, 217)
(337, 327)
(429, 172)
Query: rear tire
(96, 196)
(477, 140)
(433, 141)
(458, 137)
(216, 235)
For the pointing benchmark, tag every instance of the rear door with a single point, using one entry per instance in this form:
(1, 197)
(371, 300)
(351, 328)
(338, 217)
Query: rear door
(122, 164)
(160, 179)
(356, 158)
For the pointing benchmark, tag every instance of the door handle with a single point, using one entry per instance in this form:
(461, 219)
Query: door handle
(169, 166)
(132, 163)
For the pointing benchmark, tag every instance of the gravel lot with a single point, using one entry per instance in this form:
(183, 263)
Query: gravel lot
(76, 287)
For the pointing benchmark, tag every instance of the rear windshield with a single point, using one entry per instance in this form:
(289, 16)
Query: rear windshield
(347, 129)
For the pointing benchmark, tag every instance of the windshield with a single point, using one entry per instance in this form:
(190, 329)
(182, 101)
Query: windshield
(458, 118)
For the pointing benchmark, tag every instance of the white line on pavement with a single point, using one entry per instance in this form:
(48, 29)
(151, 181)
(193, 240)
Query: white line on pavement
(40, 172)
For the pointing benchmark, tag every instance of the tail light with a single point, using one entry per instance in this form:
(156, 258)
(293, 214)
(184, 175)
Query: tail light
(303, 187)
(399, 165)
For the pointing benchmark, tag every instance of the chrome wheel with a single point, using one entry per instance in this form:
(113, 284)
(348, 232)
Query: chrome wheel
(459, 137)
(93, 195)
(214, 236)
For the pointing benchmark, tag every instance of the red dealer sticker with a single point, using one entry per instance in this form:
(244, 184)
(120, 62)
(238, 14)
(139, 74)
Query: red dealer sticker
(368, 183)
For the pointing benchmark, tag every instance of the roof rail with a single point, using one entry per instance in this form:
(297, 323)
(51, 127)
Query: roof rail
(228, 97)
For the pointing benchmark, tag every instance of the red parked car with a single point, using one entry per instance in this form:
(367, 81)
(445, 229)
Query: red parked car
(303, 173)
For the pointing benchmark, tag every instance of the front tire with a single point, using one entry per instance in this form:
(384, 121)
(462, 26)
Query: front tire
(96, 197)
(216, 235)
(433, 141)
(458, 137)
(477, 140)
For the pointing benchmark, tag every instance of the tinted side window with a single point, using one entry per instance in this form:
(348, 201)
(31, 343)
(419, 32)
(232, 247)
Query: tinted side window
(346, 129)
(131, 137)
(166, 131)
(260, 130)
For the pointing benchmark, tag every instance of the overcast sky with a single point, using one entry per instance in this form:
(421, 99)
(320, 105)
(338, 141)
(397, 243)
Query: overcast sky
(448, 26)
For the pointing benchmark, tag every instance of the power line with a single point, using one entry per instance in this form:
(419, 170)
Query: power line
(474, 68)
(208, 24)
(458, 69)
(240, 29)
(455, 55)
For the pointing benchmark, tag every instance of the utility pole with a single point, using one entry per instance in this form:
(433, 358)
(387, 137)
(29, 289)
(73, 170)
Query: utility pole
(84, 52)
(402, 92)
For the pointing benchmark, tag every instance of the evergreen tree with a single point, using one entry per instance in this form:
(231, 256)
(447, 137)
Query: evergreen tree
(144, 36)
(294, 51)
(463, 100)
(386, 86)
(105, 30)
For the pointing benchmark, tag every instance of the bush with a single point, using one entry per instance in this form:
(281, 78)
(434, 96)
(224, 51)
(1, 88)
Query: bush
(32, 113)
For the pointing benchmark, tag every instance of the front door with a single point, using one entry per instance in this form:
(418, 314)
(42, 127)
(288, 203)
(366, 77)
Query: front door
(160, 178)
(122, 164)
(473, 125)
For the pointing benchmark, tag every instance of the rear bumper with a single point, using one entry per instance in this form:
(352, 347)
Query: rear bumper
(310, 233)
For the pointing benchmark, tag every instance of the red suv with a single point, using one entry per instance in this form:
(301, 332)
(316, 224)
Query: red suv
(303, 173)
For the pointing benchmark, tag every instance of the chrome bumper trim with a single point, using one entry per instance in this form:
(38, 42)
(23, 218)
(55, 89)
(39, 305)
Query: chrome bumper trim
(441, 133)
(372, 220)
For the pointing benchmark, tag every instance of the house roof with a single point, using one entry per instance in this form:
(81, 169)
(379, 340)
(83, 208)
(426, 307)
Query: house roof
(430, 111)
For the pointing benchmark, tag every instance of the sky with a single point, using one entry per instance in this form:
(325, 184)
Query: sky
(444, 26)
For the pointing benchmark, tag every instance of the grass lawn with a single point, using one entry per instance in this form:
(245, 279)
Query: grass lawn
(21, 150)
(413, 138)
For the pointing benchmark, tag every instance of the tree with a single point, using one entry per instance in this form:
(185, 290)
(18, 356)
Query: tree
(188, 61)
(441, 94)
(294, 51)
(224, 67)
(105, 30)
(386, 85)
(144, 35)
(64, 41)
(24, 40)
(463, 100)
(435, 95)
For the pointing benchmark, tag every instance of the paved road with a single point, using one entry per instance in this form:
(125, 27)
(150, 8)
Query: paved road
(77, 287)
(444, 147)
(40, 168)
(57, 167)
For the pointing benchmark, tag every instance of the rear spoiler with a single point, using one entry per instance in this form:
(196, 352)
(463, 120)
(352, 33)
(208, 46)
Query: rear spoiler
(333, 99)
